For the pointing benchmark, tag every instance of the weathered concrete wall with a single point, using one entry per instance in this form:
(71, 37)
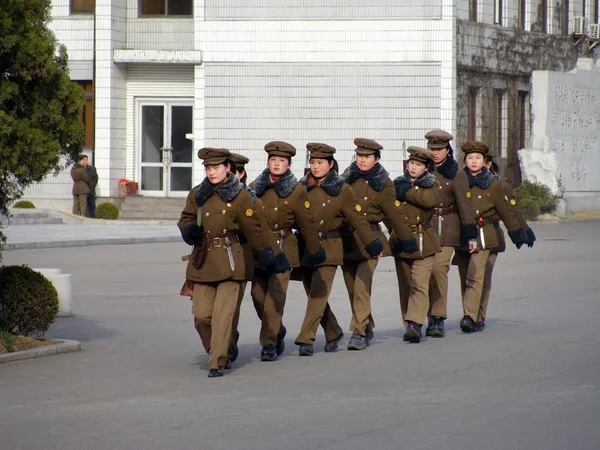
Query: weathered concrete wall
(566, 127)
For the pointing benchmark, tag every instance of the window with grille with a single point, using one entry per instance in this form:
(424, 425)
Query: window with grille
(170, 8)
(83, 6)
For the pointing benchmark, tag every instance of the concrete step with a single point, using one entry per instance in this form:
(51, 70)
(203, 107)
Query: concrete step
(28, 214)
(126, 207)
(149, 215)
(37, 221)
(139, 200)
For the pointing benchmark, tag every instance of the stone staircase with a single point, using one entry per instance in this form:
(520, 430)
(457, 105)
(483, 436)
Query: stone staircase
(34, 217)
(136, 207)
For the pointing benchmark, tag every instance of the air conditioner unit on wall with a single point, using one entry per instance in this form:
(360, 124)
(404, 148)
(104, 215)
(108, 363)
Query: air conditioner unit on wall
(594, 31)
(579, 26)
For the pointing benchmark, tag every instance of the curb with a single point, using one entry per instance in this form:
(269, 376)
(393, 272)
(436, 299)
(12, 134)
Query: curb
(66, 346)
(88, 242)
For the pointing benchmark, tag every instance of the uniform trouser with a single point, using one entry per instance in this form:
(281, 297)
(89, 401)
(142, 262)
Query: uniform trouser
(214, 306)
(91, 206)
(80, 205)
(438, 284)
(487, 286)
(413, 284)
(471, 268)
(236, 315)
(269, 292)
(358, 276)
(317, 284)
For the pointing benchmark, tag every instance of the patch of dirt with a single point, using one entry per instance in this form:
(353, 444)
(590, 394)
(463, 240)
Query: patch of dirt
(23, 343)
(585, 215)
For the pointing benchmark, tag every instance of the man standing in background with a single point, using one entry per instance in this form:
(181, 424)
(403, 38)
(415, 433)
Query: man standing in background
(81, 187)
(93, 182)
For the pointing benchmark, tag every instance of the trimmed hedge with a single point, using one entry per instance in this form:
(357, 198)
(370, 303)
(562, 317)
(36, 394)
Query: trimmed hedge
(24, 204)
(107, 211)
(539, 194)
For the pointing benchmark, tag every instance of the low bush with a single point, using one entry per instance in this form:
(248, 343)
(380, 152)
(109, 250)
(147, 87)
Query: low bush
(24, 204)
(107, 211)
(538, 193)
(529, 208)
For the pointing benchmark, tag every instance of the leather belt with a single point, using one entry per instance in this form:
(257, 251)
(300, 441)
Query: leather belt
(330, 234)
(491, 220)
(443, 211)
(373, 226)
(424, 226)
(225, 241)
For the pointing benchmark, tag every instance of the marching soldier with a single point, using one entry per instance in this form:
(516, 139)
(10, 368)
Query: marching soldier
(417, 191)
(331, 201)
(489, 267)
(452, 219)
(375, 195)
(491, 205)
(284, 205)
(215, 213)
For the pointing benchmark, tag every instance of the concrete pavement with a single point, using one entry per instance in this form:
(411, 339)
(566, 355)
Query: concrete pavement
(529, 381)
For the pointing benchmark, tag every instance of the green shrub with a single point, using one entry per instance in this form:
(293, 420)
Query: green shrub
(529, 208)
(540, 194)
(8, 341)
(107, 211)
(25, 204)
(28, 301)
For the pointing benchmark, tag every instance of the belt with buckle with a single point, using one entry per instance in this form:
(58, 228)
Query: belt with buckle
(424, 226)
(443, 211)
(491, 220)
(224, 241)
(330, 234)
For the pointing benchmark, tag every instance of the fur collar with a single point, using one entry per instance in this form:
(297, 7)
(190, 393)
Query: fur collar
(482, 179)
(332, 184)
(403, 183)
(227, 191)
(448, 168)
(497, 176)
(283, 186)
(376, 177)
(250, 191)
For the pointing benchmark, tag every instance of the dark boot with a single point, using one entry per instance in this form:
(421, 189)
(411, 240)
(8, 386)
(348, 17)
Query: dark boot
(331, 346)
(215, 373)
(413, 333)
(306, 350)
(480, 325)
(467, 325)
(280, 346)
(357, 342)
(233, 350)
(437, 327)
(268, 353)
(370, 336)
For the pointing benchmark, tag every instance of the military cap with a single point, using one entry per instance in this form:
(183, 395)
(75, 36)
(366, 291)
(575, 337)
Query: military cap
(420, 154)
(475, 147)
(280, 148)
(213, 156)
(366, 146)
(239, 160)
(319, 150)
(438, 139)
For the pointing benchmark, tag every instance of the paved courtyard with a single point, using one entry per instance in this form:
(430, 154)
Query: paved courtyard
(529, 381)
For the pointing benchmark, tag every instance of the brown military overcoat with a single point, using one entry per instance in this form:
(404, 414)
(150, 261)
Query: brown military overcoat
(283, 205)
(417, 200)
(81, 180)
(330, 203)
(225, 209)
(376, 196)
(510, 195)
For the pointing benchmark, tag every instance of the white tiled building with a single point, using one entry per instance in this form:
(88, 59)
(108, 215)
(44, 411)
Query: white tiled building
(239, 73)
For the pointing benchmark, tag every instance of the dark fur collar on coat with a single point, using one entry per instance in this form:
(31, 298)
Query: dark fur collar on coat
(376, 177)
(283, 186)
(403, 183)
(227, 191)
(482, 179)
(332, 184)
(448, 168)
(250, 191)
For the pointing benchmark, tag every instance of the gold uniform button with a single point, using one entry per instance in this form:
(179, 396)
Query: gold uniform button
(207, 214)
(224, 230)
(366, 182)
(477, 212)
(441, 204)
(223, 212)
(320, 222)
(479, 196)
(323, 204)
(364, 214)
(418, 218)
(416, 188)
(365, 198)
(276, 226)
(447, 184)
(275, 208)
(441, 186)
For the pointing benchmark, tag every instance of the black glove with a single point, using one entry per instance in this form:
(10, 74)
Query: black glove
(410, 245)
(319, 257)
(280, 264)
(192, 234)
(518, 237)
(530, 237)
(519, 245)
(374, 248)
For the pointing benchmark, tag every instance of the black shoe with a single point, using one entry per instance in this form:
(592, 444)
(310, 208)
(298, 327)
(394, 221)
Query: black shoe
(370, 336)
(430, 326)
(234, 350)
(228, 365)
(357, 342)
(214, 373)
(413, 333)
(268, 353)
(467, 325)
(331, 346)
(306, 350)
(280, 346)
(437, 327)
(480, 325)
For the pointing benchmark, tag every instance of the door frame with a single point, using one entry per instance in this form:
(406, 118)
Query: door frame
(167, 103)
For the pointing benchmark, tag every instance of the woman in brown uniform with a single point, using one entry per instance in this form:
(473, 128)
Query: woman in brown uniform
(491, 204)
(215, 213)
(376, 196)
(452, 219)
(284, 204)
(489, 266)
(417, 192)
(331, 201)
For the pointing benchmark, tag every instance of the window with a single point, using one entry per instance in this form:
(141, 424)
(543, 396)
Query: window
(543, 20)
(473, 10)
(83, 6)
(166, 7)
(565, 17)
(523, 103)
(87, 113)
(472, 113)
(498, 7)
(499, 121)
(522, 14)
(595, 11)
